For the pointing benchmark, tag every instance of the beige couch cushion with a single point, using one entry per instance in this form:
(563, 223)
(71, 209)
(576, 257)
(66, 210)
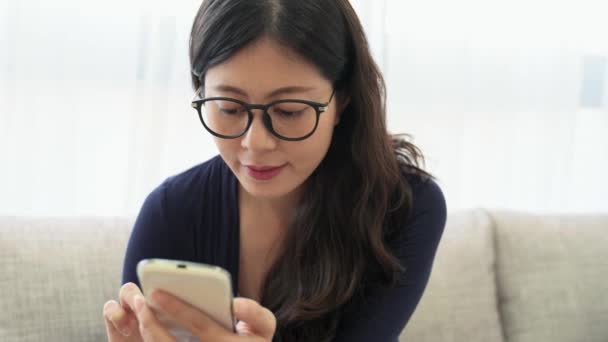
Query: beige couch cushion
(553, 277)
(56, 275)
(459, 303)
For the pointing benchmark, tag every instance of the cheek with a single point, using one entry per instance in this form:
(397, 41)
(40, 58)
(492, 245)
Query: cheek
(311, 151)
(228, 148)
(326, 131)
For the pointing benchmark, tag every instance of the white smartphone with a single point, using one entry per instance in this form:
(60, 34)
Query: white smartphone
(206, 287)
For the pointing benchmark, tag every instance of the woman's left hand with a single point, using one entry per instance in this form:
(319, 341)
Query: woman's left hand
(256, 323)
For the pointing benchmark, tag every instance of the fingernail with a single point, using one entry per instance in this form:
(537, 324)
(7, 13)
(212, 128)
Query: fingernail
(139, 303)
(112, 311)
(117, 316)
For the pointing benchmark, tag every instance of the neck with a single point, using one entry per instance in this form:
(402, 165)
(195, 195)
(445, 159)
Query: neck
(264, 223)
(282, 208)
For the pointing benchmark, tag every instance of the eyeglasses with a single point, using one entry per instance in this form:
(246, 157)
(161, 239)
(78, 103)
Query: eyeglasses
(288, 119)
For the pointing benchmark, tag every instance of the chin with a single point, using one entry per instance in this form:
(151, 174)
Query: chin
(279, 187)
(265, 190)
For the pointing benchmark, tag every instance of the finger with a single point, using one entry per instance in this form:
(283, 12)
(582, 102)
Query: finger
(119, 318)
(189, 317)
(122, 322)
(243, 329)
(127, 321)
(114, 334)
(126, 296)
(150, 328)
(260, 321)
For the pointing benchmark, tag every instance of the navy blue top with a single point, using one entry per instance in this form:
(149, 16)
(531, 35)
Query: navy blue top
(194, 216)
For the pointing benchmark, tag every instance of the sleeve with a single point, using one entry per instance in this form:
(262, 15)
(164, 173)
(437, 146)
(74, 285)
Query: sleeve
(388, 309)
(150, 236)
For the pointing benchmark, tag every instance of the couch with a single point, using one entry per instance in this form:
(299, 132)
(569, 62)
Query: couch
(498, 276)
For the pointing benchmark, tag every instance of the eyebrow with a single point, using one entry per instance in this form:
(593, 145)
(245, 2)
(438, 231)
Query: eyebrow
(276, 92)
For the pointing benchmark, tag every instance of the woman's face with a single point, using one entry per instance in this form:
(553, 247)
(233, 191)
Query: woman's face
(253, 74)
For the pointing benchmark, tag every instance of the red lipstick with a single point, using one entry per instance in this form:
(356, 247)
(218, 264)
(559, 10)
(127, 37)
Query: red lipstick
(263, 172)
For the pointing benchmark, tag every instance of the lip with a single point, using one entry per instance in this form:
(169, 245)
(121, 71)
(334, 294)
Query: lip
(264, 172)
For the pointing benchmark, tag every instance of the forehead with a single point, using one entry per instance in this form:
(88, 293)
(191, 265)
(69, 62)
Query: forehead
(263, 66)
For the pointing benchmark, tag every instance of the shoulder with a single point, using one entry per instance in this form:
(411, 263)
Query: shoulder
(422, 227)
(206, 173)
(427, 197)
(204, 177)
(166, 224)
(185, 191)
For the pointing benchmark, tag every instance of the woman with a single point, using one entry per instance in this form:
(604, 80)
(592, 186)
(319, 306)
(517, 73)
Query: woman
(321, 216)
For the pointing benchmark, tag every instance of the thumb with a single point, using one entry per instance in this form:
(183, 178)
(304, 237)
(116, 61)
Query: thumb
(259, 320)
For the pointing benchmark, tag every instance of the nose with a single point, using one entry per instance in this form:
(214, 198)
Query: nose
(258, 137)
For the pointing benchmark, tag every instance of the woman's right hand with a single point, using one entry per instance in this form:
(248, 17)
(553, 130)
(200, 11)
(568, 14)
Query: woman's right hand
(121, 321)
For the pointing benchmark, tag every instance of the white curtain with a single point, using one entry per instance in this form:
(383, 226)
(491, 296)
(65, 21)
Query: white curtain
(95, 107)
(507, 100)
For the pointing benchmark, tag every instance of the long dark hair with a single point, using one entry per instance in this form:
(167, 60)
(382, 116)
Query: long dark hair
(359, 195)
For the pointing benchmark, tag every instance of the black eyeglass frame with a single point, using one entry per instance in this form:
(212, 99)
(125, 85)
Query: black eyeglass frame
(266, 119)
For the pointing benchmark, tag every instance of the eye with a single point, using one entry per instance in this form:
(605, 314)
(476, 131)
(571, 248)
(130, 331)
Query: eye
(290, 110)
(288, 113)
(227, 107)
(230, 111)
